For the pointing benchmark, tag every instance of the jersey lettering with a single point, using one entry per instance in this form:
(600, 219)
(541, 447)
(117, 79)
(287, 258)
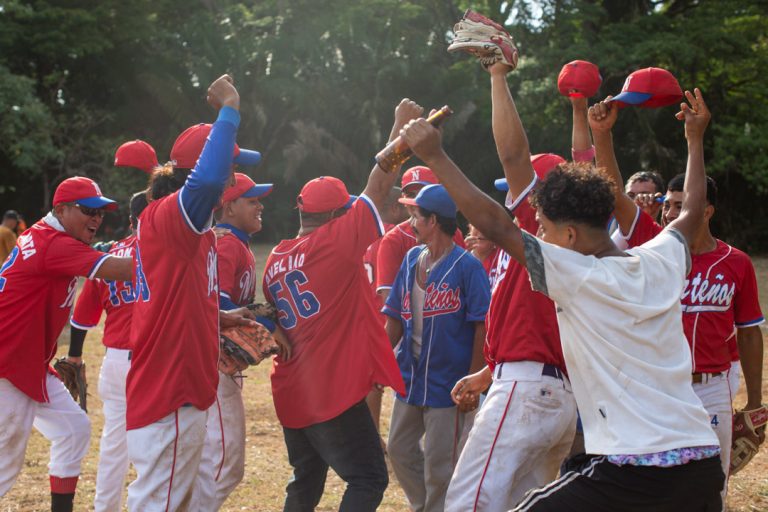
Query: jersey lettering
(213, 272)
(246, 287)
(706, 295)
(8, 264)
(296, 302)
(142, 286)
(70, 294)
(124, 296)
(27, 244)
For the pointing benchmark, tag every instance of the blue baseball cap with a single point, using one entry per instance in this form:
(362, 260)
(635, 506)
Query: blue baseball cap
(433, 198)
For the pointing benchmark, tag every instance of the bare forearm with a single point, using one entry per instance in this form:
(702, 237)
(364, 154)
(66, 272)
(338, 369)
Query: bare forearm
(379, 185)
(394, 329)
(694, 191)
(750, 340)
(511, 141)
(478, 361)
(605, 158)
(580, 139)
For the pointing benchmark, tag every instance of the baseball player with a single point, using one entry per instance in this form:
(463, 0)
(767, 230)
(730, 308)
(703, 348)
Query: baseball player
(116, 299)
(503, 459)
(174, 333)
(619, 320)
(481, 248)
(437, 306)
(38, 282)
(399, 240)
(720, 302)
(223, 461)
(318, 284)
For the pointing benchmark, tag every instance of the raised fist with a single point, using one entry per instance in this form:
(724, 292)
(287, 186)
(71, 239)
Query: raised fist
(222, 93)
(602, 116)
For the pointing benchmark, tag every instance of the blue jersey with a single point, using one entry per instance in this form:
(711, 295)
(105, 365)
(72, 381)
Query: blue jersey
(456, 296)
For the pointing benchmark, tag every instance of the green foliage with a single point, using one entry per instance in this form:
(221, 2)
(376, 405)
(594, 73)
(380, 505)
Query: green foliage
(319, 82)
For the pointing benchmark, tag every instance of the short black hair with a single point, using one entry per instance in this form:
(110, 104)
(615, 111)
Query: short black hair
(11, 214)
(575, 192)
(676, 185)
(644, 176)
(447, 225)
(138, 203)
(166, 180)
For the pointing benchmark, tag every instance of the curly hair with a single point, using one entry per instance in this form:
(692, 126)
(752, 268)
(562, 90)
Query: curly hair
(575, 192)
(166, 180)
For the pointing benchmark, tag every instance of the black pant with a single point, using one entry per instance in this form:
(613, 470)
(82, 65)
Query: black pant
(602, 486)
(348, 443)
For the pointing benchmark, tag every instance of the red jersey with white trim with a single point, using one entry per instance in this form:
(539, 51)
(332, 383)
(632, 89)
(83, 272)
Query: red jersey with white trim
(369, 261)
(393, 248)
(643, 229)
(720, 296)
(38, 282)
(322, 293)
(175, 327)
(237, 270)
(521, 323)
(116, 298)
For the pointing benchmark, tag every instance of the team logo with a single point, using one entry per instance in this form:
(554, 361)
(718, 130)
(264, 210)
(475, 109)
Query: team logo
(626, 84)
(247, 287)
(212, 270)
(701, 294)
(438, 300)
(71, 289)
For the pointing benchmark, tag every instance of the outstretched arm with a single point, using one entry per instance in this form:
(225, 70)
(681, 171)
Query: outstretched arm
(750, 341)
(380, 182)
(602, 117)
(581, 142)
(482, 212)
(696, 117)
(511, 141)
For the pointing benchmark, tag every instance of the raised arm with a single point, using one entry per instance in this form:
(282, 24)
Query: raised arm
(511, 141)
(482, 212)
(581, 142)
(602, 117)
(379, 182)
(696, 117)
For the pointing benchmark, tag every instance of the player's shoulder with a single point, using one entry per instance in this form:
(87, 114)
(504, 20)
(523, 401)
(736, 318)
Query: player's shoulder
(414, 252)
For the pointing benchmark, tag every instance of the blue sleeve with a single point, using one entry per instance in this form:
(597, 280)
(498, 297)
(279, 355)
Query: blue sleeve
(394, 303)
(205, 184)
(226, 304)
(478, 290)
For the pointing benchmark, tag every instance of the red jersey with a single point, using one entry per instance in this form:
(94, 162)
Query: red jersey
(369, 262)
(720, 295)
(175, 328)
(237, 270)
(319, 285)
(521, 323)
(116, 298)
(393, 248)
(38, 282)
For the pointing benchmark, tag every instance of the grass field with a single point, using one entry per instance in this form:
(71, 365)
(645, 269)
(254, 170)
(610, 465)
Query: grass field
(267, 468)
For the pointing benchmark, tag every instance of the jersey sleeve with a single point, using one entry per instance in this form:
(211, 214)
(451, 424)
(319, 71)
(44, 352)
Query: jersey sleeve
(643, 229)
(394, 303)
(673, 247)
(458, 238)
(746, 304)
(227, 258)
(67, 256)
(478, 290)
(387, 262)
(89, 306)
(554, 271)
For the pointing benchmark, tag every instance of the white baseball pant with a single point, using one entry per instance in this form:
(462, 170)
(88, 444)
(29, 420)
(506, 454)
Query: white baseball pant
(223, 462)
(166, 455)
(60, 420)
(734, 375)
(113, 448)
(715, 394)
(521, 434)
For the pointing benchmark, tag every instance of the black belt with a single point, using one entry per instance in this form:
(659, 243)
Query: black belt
(551, 370)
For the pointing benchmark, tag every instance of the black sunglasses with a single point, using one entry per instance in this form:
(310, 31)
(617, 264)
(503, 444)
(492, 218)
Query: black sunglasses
(90, 212)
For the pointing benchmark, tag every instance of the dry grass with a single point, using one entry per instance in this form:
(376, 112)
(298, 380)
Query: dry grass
(267, 468)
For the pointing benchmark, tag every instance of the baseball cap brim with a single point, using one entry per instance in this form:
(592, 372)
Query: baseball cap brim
(97, 202)
(260, 190)
(247, 157)
(410, 201)
(501, 184)
(632, 98)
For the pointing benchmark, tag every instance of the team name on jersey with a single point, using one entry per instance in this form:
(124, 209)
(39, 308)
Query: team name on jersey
(285, 264)
(212, 268)
(141, 290)
(71, 289)
(437, 301)
(247, 286)
(27, 245)
(701, 294)
(499, 270)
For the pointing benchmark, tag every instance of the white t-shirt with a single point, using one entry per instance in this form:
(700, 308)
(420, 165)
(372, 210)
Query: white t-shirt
(622, 335)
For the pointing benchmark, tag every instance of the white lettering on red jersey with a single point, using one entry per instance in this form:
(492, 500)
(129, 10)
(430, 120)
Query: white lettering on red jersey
(237, 270)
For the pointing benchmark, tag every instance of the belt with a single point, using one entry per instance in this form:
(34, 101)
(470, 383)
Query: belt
(551, 370)
(698, 378)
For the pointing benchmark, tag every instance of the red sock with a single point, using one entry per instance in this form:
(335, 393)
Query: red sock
(63, 485)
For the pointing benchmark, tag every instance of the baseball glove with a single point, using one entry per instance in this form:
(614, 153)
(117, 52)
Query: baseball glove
(748, 434)
(73, 377)
(244, 346)
(264, 309)
(484, 38)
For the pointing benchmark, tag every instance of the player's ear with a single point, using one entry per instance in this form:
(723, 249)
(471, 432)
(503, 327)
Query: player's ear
(709, 212)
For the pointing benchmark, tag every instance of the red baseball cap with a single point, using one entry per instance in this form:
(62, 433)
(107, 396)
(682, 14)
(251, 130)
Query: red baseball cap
(188, 146)
(245, 187)
(543, 164)
(83, 191)
(580, 76)
(418, 175)
(650, 88)
(324, 194)
(138, 154)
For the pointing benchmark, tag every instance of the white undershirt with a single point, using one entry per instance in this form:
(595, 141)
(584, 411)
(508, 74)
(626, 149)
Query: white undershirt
(417, 309)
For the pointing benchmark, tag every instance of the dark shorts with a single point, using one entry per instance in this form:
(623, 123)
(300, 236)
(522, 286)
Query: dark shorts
(602, 486)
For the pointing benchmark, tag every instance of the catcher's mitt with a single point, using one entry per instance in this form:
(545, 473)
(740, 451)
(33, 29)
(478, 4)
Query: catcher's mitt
(73, 377)
(484, 38)
(244, 346)
(748, 434)
(264, 309)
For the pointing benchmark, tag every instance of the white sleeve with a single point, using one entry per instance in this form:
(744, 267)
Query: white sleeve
(554, 271)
